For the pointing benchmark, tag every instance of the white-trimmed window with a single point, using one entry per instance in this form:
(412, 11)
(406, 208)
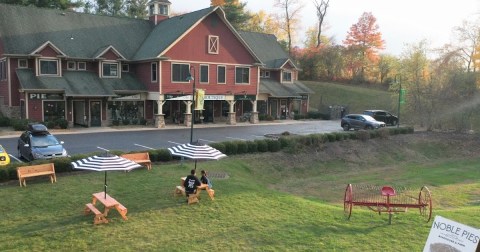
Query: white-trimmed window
(109, 69)
(154, 72)
(287, 76)
(213, 44)
(48, 67)
(163, 9)
(3, 69)
(204, 73)
(22, 63)
(242, 75)
(264, 74)
(221, 74)
(71, 65)
(125, 68)
(82, 66)
(180, 72)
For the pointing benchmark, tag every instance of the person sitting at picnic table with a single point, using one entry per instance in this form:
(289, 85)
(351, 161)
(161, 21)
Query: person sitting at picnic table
(191, 183)
(205, 180)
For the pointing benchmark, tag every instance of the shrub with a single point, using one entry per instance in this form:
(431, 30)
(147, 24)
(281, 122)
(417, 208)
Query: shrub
(164, 155)
(241, 147)
(61, 123)
(265, 118)
(273, 145)
(331, 137)
(373, 133)
(4, 121)
(284, 141)
(19, 124)
(134, 121)
(62, 164)
(262, 145)
(383, 133)
(143, 121)
(50, 124)
(4, 174)
(362, 135)
(115, 122)
(252, 146)
(338, 136)
(231, 148)
(219, 146)
(125, 121)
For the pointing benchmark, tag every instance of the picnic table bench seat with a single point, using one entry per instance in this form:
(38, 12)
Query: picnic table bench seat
(99, 217)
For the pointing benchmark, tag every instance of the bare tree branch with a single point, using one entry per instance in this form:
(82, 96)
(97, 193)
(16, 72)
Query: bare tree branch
(321, 13)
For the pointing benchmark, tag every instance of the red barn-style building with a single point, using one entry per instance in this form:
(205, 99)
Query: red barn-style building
(94, 70)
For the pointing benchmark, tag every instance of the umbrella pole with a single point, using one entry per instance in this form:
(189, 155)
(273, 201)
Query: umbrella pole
(105, 186)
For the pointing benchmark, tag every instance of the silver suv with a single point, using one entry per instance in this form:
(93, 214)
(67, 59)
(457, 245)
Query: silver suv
(359, 121)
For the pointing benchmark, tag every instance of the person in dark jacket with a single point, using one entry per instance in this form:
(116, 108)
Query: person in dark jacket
(191, 183)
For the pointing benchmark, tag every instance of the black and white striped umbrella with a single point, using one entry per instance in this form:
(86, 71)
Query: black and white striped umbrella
(105, 163)
(196, 152)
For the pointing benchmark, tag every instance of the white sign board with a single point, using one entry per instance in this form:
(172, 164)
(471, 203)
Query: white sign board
(448, 235)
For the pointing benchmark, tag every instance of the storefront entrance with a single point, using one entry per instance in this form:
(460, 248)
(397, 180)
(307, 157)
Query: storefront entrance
(95, 113)
(79, 117)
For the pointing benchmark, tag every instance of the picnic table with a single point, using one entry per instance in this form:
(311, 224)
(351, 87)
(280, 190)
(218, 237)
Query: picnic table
(108, 203)
(202, 187)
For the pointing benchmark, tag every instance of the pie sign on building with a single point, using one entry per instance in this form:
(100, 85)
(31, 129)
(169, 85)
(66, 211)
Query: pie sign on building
(91, 70)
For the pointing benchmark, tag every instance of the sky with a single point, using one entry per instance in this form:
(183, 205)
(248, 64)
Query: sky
(401, 22)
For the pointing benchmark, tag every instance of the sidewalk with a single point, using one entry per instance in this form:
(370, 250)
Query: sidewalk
(6, 132)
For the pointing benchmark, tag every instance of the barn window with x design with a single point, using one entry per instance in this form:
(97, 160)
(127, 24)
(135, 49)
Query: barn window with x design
(213, 44)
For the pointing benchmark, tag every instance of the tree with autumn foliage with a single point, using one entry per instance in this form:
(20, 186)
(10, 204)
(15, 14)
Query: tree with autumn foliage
(364, 40)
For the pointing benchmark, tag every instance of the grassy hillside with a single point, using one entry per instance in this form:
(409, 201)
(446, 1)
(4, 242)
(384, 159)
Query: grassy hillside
(354, 98)
(284, 201)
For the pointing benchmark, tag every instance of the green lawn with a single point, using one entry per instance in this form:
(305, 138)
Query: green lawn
(268, 202)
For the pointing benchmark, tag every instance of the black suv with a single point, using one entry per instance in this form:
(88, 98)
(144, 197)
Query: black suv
(37, 143)
(383, 116)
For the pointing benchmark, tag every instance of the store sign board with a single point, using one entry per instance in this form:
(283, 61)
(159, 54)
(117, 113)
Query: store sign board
(448, 235)
(40, 96)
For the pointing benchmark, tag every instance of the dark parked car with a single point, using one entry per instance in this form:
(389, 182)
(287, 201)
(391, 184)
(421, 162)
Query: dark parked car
(37, 143)
(359, 121)
(382, 115)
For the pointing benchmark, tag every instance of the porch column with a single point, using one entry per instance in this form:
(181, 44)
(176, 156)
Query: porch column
(188, 114)
(254, 116)
(231, 113)
(160, 117)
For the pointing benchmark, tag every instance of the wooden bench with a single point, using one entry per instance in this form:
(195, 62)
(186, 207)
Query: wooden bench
(99, 217)
(142, 158)
(24, 172)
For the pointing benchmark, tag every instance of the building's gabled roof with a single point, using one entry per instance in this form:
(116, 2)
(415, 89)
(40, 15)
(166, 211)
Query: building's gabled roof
(282, 90)
(167, 32)
(267, 49)
(80, 83)
(77, 35)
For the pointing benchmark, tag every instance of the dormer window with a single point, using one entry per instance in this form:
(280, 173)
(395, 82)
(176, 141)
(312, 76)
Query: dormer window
(48, 67)
(287, 76)
(109, 69)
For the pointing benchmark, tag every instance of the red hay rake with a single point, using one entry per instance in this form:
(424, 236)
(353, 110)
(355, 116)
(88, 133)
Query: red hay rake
(387, 200)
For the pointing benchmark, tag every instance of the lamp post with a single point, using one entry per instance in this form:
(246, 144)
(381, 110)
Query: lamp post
(189, 78)
(399, 81)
